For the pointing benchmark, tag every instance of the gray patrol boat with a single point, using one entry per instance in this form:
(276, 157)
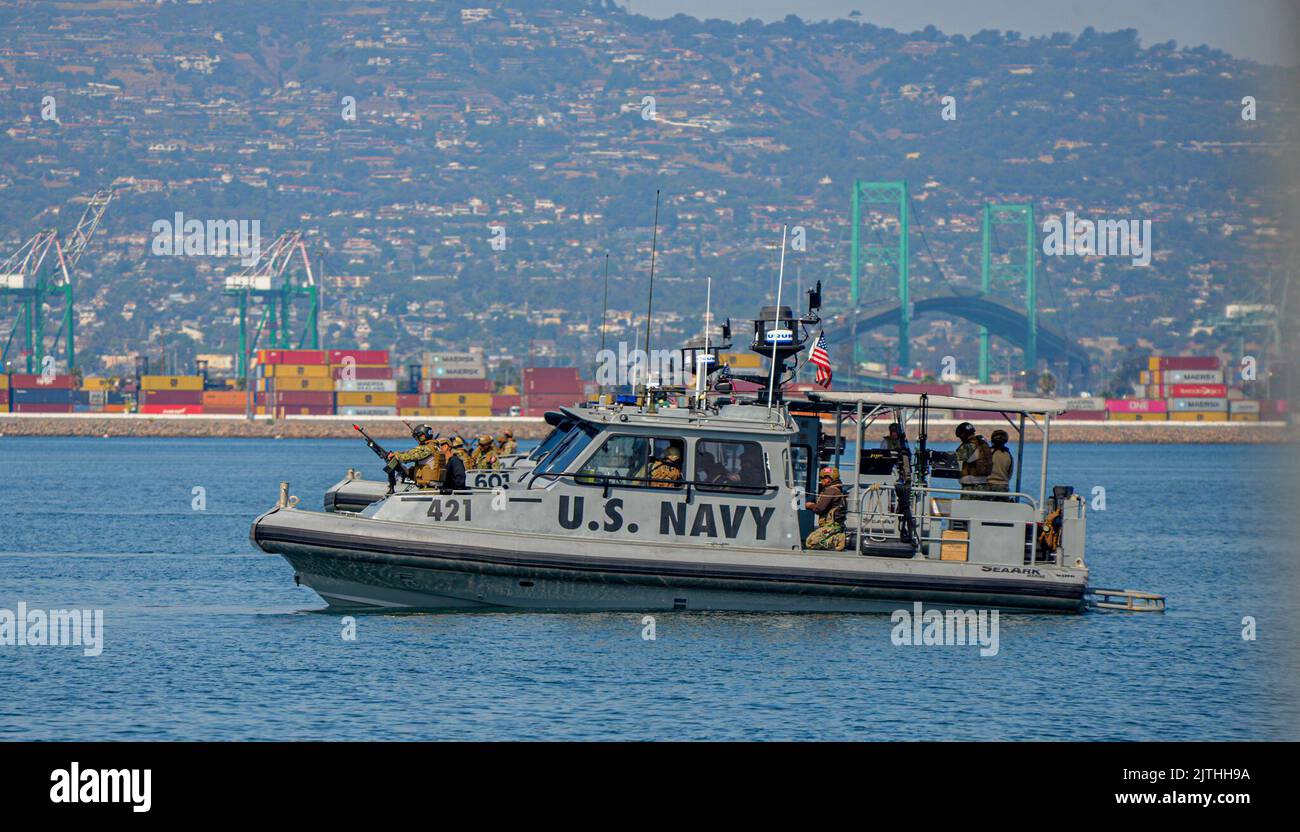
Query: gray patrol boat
(580, 523)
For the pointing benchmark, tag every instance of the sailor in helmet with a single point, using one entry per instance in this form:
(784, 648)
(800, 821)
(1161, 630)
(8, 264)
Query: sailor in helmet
(485, 455)
(667, 472)
(830, 507)
(428, 463)
(506, 444)
(976, 459)
(458, 450)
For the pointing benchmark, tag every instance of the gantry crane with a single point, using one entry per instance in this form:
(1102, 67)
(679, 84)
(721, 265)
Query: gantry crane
(273, 281)
(42, 270)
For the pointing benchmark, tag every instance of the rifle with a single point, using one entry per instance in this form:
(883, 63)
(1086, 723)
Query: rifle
(391, 466)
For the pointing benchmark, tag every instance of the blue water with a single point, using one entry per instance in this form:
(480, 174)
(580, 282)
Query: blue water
(206, 638)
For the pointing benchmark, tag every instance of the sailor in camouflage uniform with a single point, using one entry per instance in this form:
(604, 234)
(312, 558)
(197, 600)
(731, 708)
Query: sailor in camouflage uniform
(830, 508)
(427, 468)
(667, 472)
(506, 444)
(485, 455)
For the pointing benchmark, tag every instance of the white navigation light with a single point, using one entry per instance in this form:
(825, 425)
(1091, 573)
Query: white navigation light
(780, 336)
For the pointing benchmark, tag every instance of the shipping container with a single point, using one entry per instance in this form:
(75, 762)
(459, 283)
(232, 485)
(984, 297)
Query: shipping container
(294, 357)
(169, 397)
(457, 385)
(171, 382)
(303, 370)
(55, 381)
(415, 411)
(411, 400)
(98, 383)
(1121, 416)
(224, 398)
(295, 383)
(551, 379)
(366, 399)
(1197, 391)
(42, 395)
(171, 409)
(460, 400)
(4, 381)
(299, 398)
(503, 403)
(1135, 406)
(41, 407)
(1243, 417)
(359, 357)
(1188, 362)
(366, 410)
(463, 412)
(1085, 403)
(985, 391)
(371, 385)
(361, 372)
(1198, 405)
(1197, 416)
(1244, 406)
(1083, 415)
(1189, 377)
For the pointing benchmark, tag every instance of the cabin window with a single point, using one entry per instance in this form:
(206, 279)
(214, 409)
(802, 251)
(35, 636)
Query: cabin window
(568, 449)
(799, 458)
(631, 461)
(552, 439)
(730, 466)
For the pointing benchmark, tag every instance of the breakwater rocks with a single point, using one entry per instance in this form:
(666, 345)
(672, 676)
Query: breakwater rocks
(526, 428)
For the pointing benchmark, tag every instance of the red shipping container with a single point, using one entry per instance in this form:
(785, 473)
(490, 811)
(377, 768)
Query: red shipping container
(32, 407)
(1197, 391)
(460, 385)
(1189, 362)
(409, 400)
(290, 356)
(300, 398)
(1090, 415)
(171, 397)
(552, 380)
(4, 397)
(362, 373)
(56, 381)
(929, 389)
(171, 409)
(304, 410)
(358, 356)
(501, 404)
(209, 410)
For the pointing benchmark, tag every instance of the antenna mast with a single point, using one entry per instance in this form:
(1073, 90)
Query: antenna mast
(776, 322)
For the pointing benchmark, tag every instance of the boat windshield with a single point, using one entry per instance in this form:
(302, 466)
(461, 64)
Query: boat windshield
(570, 446)
(552, 439)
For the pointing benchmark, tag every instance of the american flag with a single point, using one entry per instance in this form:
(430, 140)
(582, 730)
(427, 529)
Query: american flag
(821, 360)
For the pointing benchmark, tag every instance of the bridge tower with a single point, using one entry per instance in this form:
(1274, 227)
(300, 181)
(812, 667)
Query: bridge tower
(891, 257)
(1014, 268)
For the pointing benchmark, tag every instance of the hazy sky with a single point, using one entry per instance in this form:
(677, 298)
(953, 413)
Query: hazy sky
(1262, 30)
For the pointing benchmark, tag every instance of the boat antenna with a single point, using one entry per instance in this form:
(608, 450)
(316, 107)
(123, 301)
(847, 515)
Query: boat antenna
(776, 322)
(650, 305)
(604, 314)
(701, 370)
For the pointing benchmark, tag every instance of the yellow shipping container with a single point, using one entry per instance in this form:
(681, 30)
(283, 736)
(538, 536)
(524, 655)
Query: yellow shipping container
(171, 382)
(97, 383)
(742, 360)
(299, 370)
(1137, 417)
(509, 390)
(1185, 416)
(465, 412)
(360, 399)
(1153, 363)
(416, 411)
(460, 399)
(4, 382)
(1244, 417)
(322, 385)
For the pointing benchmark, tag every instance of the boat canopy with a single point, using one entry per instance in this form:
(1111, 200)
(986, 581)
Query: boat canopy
(1028, 405)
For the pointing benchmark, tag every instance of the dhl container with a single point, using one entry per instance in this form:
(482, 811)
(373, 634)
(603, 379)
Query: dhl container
(460, 400)
(172, 409)
(361, 371)
(1243, 417)
(98, 383)
(296, 383)
(300, 370)
(1197, 416)
(366, 399)
(291, 357)
(171, 382)
(55, 381)
(1116, 416)
(464, 412)
(358, 357)
(224, 398)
